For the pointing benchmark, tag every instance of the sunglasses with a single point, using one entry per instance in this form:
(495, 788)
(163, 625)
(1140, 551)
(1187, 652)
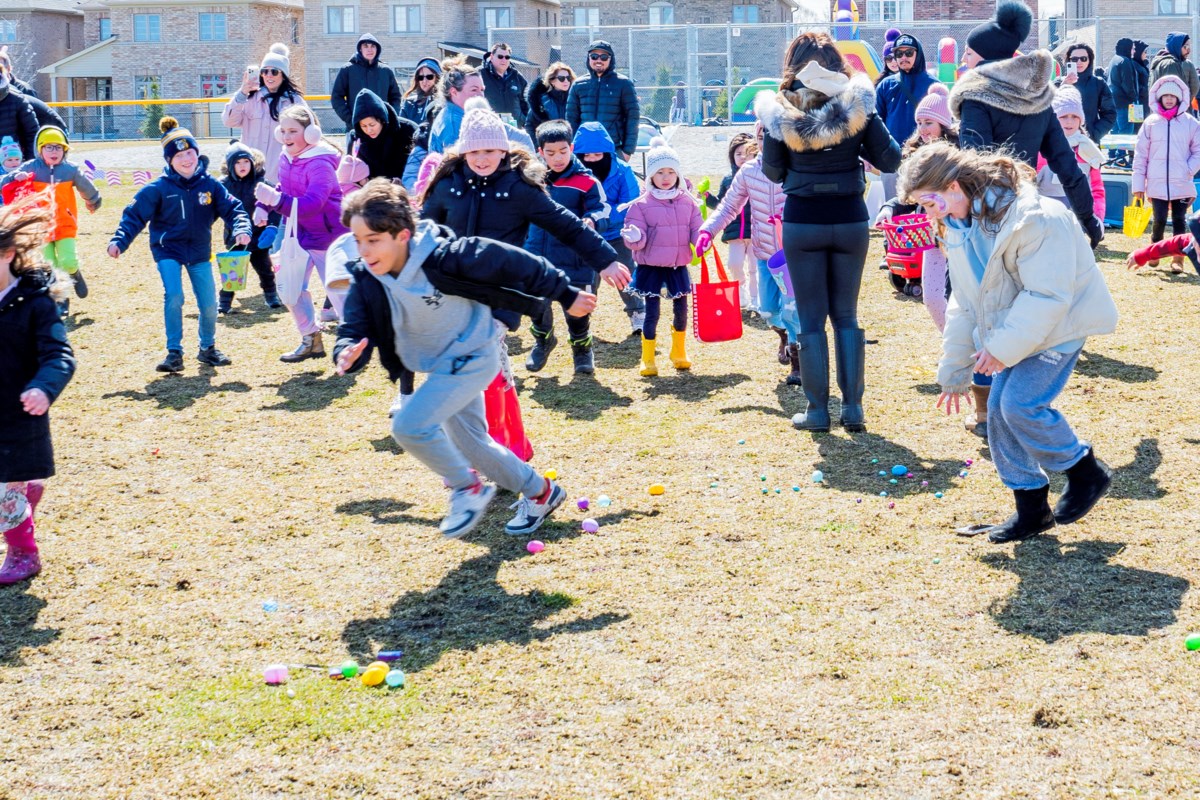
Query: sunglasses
(904, 53)
(269, 71)
(427, 77)
(561, 77)
(1078, 60)
(599, 56)
(499, 57)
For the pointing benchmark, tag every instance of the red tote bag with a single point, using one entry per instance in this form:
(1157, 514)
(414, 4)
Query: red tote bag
(716, 309)
(503, 410)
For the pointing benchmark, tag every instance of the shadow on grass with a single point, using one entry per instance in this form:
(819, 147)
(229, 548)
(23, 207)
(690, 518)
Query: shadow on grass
(688, 386)
(848, 468)
(310, 391)
(620, 354)
(1095, 365)
(582, 398)
(74, 322)
(469, 609)
(1069, 589)
(382, 511)
(1135, 480)
(18, 617)
(178, 392)
(244, 316)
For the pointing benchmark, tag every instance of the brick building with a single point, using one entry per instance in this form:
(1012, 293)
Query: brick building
(1101, 23)
(40, 32)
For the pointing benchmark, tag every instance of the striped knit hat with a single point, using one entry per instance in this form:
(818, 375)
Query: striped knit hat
(175, 139)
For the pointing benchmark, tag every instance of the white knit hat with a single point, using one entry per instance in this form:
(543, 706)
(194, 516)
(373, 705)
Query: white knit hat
(277, 57)
(662, 156)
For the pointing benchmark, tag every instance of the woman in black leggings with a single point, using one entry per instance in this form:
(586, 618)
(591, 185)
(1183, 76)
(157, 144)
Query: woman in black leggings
(817, 128)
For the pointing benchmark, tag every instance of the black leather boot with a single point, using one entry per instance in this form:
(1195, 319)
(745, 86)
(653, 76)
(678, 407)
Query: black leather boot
(850, 348)
(794, 378)
(543, 344)
(814, 371)
(1087, 482)
(1033, 517)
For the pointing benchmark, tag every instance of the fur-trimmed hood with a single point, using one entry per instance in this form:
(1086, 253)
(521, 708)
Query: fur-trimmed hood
(1021, 85)
(807, 120)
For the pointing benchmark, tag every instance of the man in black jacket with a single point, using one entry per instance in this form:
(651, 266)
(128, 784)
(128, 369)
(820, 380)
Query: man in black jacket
(1123, 83)
(503, 86)
(364, 71)
(17, 118)
(607, 97)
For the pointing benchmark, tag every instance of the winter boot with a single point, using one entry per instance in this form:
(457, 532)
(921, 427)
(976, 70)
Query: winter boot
(172, 363)
(224, 302)
(22, 561)
(1033, 517)
(794, 378)
(33, 493)
(585, 363)
(649, 368)
(311, 346)
(213, 357)
(544, 343)
(814, 371)
(1087, 482)
(678, 354)
(81, 287)
(784, 358)
(272, 300)
(978, 424)
(849, 349)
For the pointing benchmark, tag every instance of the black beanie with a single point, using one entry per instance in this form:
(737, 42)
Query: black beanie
(999, 37)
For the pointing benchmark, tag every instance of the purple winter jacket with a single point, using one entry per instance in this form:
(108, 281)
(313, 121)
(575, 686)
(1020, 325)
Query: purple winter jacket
(668, 229)
(1168, 150)
(312, 177)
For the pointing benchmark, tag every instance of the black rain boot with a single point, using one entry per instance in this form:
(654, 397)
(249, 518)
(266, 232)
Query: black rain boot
(543, 344)
(783, 345)
(585, 363)
(794, 378)
(1087, 482)
(1033, 517)
(850, 352)
(224, 302)
(272, 300)
(814, 371)
(81, 287)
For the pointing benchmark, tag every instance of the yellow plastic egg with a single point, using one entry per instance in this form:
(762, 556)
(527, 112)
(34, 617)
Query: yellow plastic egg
(657, 488)
(550, 474)
(373, 677)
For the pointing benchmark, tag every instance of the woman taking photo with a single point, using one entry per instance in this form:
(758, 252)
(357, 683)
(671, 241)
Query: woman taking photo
(256, 109)
(547, 97)
(818, 127)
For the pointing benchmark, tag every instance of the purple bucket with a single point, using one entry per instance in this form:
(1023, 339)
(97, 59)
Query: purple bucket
(777, 266)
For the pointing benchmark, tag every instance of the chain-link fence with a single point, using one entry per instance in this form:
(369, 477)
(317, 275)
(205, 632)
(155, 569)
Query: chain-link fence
(125, 119)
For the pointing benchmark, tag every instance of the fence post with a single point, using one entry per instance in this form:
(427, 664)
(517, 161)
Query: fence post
(729, 71)
(1098, 43)
(695, 97)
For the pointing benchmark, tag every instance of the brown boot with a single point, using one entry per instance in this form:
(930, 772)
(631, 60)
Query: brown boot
(977, 423)
(783, 345)
(793, 378)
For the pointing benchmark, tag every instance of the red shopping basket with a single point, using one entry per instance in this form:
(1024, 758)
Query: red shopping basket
(716, 309)
(909, 232)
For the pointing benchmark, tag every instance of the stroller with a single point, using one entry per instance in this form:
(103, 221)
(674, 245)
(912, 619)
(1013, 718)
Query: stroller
(908, 237)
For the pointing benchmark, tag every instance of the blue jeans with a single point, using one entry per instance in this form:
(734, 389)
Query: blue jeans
(204, 286)
(1123, 125)
(1025, 434)
(776, 309)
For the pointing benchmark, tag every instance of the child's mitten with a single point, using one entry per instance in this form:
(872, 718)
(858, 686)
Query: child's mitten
(267, 194)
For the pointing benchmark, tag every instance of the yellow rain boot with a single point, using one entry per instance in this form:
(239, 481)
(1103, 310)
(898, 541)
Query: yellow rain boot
(649, 369)
(679, 350)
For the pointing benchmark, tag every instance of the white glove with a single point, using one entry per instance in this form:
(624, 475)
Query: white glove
(885, 215)
(260, 216)
(631, 233)
(267, 195)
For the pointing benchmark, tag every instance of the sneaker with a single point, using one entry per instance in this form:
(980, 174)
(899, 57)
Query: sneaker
(466, 509)
(81, 287)
(213, 357)
(224, 302)
(328, 315)
(172, 363)
(531, 514)
(636, 320)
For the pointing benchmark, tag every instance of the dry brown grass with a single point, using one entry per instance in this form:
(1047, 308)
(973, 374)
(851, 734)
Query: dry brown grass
(714, 642)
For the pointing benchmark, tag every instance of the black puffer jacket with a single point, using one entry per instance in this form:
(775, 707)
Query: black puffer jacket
(740, 227)
(17, 119)
(243, 190)
(44, 113)
(387, 153)
(1123, 75)
(545, 103)
(609, 99)
(505, 93)
(359, 74)
(1143, 71)
(34, 354)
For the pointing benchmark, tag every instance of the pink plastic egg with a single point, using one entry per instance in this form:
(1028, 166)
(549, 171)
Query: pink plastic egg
(535, 546)
(275, 674)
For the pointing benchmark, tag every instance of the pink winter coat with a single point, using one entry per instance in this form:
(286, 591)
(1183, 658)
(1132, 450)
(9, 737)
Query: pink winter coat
(1168, 150)
(1050, 186)
(750, 185)
(253, 115)
(668, 229)
(311, 177)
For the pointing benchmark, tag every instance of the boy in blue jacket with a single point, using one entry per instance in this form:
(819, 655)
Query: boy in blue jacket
(425, 299)
(181, 206)
(596, 150)
(573, 187)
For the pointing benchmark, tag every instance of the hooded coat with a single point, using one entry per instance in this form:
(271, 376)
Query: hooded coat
(1099, 109)
(359, 74)
(505, 93)
(620, 184)
(1123, 75)
(387, 154)
(545, 103)
(311, 178)
(897, 96)
(1172, 62)
(609, 99)
(1143, 71)
(17, 119)
(253, 116)
(243, 188)
(1008, 103)
(416, 106)
(1168, 150)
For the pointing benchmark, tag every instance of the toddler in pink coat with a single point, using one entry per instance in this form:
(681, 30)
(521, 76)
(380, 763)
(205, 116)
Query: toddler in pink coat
(1068, 107)
(660, 226)
(1166, 158)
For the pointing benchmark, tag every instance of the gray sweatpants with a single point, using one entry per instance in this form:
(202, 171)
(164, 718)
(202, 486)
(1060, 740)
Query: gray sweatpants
(444, 426)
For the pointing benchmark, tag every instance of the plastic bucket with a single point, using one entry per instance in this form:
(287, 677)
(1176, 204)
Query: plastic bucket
(233, 269)
(777, 266)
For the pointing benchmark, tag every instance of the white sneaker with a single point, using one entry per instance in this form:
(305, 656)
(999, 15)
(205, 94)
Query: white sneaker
(398, 404)
(466, 509)
(636, 320)
(531, 514)
(328, 315)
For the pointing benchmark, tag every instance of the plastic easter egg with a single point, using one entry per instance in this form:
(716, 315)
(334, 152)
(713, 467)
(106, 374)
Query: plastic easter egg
(818, 476)
(373, 677)
(657, 489)
(766, 490)
(899, 470)
(924, 483)
(714, 485)
(963, 474)
(893, 481)
(858, 500)
(590, 526)
(891, 505)
(379, 665)
(938, 495)
(395, 679)
(550, 474)
(335, 673)
(882, 473)
(275, 674)
(795, 488)
(874, 460)
(388, 656)
(291, 692)
(762, 477)
(583, 503)
(1192, 642)
(741, 441)
(777, 491)
(349, 669)
(270, 606)
(535, 546)
(969, 461)
(883, 494)
(909, 475)
(604, 501)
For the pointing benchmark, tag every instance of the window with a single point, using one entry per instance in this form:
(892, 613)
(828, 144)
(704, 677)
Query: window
(147, 27)
(339, 19)
(1179, 7)
(215, 85)
(105, 28)
(331, 74)
(8, 30)
(889, 11)
(146, 87)
(499, 17)
(295, 30)
(406, 19)
(745, 15)
(212, 28)
(586, 18)
(662, 14)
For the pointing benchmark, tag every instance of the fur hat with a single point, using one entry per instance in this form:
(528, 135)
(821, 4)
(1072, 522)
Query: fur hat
(175, 139)
(481, 128)
(662, 156)
(277, 57)
(999, 37)
(935, 106)
(9, 149)
(1067, 100)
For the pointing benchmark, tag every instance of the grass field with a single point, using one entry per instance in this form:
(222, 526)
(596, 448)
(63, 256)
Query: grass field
(714, 642)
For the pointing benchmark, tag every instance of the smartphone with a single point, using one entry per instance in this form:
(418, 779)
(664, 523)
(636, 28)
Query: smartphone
(1072, 67)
